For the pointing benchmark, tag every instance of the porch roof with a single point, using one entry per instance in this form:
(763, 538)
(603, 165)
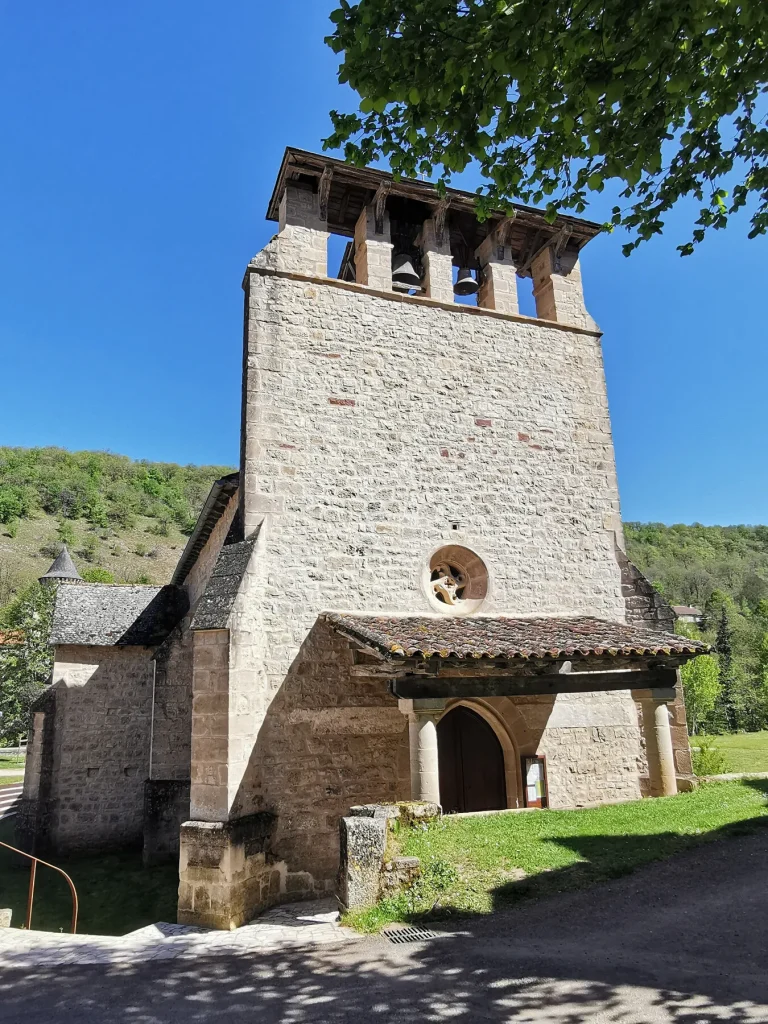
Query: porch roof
(394, 638)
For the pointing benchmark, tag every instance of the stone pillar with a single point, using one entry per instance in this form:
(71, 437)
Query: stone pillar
(302, 243)
(438, 262)
(210, 790)
(558, 291)
(423, 716)
(658, 742)
(498, 279)
(373, 251)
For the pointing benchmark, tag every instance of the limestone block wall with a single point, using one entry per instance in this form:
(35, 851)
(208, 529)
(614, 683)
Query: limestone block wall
(375, 423)
(99, 748)
(378, 428)
(172, 716)
(330, 738)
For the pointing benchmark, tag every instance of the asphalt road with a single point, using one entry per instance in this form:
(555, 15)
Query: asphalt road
(683, 941)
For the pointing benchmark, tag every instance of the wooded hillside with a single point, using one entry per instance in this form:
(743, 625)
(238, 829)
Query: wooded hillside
(124, 521)
(724, 571)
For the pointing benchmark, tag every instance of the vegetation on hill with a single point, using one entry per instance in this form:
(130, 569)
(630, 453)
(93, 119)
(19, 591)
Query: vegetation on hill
(124, 521)
(102, 489)
(724, 571)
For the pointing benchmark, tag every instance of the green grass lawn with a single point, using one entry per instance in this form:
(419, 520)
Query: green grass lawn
(10, 780)
(11, 761)
(478, 864)
(116, 893)
(744, 751)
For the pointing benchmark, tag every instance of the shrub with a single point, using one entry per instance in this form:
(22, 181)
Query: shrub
(161, 528)
(708, 759)
(95, 574)
(90, 548)
(65, 532)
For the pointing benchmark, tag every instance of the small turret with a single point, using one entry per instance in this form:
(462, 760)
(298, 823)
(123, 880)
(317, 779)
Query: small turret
(62, 571)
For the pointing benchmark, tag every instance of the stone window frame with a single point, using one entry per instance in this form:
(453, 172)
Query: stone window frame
(465, 566)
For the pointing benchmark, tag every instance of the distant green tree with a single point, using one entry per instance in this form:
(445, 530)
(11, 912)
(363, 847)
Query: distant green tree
(701, 687)
(724, 717)
(24, 667)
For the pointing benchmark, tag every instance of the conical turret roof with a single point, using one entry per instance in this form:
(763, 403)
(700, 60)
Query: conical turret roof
(63, 567)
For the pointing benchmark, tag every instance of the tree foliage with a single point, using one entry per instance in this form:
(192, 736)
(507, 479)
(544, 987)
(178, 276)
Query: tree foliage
(724, 571)
(24, 666)
(556, 99)
(101, 488)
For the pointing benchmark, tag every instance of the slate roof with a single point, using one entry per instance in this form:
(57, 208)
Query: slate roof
(213, 509)
(477, 637)
(63, 567)
(215, 605)
(105, 615)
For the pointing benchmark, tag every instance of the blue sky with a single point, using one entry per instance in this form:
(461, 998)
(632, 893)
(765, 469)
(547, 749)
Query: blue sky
(140, 145)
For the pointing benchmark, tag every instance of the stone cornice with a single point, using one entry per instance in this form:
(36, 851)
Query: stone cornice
(418, 300)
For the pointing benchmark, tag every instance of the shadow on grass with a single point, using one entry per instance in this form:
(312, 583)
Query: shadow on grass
(116, 893)
(686, 949)
(680, 942)
(603, 857)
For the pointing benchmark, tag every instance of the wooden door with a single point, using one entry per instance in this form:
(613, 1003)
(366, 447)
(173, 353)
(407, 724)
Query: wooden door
(471, 763)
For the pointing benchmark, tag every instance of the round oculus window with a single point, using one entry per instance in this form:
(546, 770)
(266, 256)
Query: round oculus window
(456, 580)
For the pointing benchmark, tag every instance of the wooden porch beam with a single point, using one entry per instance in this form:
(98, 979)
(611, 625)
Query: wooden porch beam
(412, 687)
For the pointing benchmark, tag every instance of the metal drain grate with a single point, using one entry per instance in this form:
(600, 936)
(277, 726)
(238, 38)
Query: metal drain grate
(409, 934)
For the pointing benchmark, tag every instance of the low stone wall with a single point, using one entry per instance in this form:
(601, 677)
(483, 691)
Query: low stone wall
(366, 872)
(225, 876)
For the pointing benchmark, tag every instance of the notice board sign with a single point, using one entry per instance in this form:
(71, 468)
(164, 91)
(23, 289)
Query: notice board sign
(535, 781)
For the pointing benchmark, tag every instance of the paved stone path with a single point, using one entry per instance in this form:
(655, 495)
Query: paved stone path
(290, 926)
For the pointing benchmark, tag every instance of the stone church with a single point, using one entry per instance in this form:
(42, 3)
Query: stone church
(414, 587)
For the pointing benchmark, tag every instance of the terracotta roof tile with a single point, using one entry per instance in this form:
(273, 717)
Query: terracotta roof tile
(476, 637)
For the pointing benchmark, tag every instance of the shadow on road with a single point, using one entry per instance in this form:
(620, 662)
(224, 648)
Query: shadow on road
(679, 942)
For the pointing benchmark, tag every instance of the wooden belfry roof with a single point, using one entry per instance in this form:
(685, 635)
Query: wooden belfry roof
(344, 191)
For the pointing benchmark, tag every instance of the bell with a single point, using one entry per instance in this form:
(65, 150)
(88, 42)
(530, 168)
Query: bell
(403, 272)
(465, 283)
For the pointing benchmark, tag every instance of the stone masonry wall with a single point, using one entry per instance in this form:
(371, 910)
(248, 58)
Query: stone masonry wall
(172, 722)
(330, 738)
(100, 746)
(373, 425)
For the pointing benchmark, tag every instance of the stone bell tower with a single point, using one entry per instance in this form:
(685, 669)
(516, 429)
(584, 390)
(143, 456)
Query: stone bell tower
(409, 460)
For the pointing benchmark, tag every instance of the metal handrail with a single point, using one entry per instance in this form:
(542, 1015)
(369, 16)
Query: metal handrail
(33, 876)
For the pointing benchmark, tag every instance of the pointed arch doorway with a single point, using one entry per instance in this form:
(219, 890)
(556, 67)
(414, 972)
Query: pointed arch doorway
(471, 762)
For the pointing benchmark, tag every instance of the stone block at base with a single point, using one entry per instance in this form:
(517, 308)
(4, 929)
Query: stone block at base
(226, 876)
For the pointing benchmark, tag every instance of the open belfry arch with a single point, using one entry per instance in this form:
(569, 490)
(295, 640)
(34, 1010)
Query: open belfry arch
(425, 524)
